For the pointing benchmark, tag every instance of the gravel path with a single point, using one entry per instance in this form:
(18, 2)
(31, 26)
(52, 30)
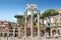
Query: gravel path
(34, 38)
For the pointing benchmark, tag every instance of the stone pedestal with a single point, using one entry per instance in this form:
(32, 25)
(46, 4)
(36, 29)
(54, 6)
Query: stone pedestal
(25, 26)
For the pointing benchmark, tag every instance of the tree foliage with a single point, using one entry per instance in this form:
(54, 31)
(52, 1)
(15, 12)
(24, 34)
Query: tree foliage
(35, 28)
(49, 13)
(54, 26)
(20, 19)
(45, 14)
(18, 16)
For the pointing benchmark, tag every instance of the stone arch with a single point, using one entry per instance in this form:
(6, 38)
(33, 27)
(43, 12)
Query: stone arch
(28, 32)
(54, 32)
(58, 31)
(42, 32)
(48, 31)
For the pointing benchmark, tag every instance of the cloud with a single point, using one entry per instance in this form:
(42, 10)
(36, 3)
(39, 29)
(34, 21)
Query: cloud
(20, 13)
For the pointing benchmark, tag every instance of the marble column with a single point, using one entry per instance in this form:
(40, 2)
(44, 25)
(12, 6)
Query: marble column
(32, 25)
(25, 26)
(38, 26)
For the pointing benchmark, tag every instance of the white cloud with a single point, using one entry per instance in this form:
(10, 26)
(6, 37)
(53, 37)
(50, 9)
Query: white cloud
(19, 13)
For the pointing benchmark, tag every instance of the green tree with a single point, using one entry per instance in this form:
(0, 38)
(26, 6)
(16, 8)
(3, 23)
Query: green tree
(35, 28)
(20, 19)
(35, 14)
(54, 26)
(28, 17)
(35, 17)
(9, 23)
(49, 13)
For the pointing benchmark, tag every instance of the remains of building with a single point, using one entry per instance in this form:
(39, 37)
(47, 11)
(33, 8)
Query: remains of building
(43, 26)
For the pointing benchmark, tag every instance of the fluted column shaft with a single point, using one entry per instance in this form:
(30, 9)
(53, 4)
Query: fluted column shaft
(32, 25)
(25, 26)
(38, 25)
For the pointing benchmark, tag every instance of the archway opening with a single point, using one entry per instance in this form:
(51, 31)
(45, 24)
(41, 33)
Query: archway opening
(28, 32)
(48, 31)
(54, 32)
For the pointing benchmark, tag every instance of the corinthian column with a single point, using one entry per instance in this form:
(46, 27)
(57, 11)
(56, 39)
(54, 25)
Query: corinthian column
(25, 26)
(38, 25)
(32, 25)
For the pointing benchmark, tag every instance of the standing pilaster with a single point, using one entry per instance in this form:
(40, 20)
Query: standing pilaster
(19, 32)
(3, 34)
(60, 31)
(8, 33)
(51, 32)
(14, 32)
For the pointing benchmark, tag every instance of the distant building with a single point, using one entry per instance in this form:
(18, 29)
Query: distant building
(4, 26)
(58, 17)
(54, 19)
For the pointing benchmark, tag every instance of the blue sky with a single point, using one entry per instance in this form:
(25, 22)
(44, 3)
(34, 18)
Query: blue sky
(9, 8)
